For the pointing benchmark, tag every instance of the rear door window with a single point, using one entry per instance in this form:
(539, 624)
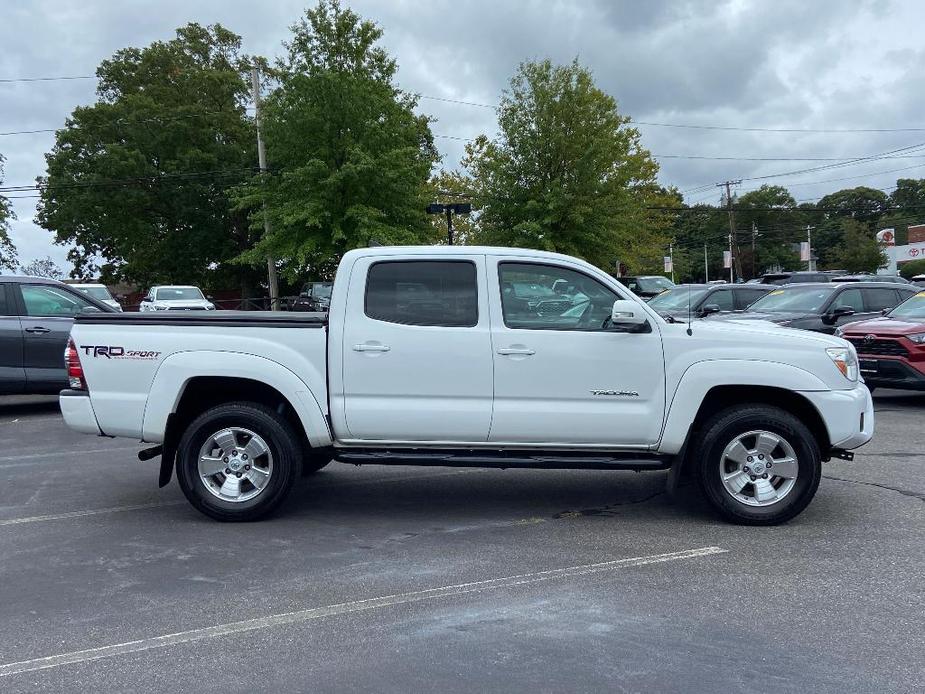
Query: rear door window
(47, 301)
(744, 297)
(423, 292)
(879, 299)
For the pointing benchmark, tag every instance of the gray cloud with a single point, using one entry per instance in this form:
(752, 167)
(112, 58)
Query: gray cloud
(787, 63)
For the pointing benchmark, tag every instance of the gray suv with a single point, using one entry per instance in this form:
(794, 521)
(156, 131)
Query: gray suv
(35, 321)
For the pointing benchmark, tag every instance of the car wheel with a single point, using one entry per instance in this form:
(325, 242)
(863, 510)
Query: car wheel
(238, 462)
(758, 465)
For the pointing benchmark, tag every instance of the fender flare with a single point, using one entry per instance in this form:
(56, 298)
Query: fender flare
(702, 376)
(177, 370)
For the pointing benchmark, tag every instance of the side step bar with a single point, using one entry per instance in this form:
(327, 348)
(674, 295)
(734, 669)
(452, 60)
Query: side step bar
(548, 460)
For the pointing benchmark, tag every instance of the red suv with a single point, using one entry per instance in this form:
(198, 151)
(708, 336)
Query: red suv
(891, 349)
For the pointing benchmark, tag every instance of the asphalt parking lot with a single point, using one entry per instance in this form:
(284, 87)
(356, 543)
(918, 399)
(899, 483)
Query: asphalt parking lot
(417, 579)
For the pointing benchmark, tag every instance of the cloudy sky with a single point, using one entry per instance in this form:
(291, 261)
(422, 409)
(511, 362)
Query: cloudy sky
(826, 65)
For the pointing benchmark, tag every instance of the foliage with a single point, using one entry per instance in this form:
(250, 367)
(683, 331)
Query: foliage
(912, 268)
(450, 187)
(139, 178)
(859, 250)
(42, 267)
(567, 173)
(861, 203)
(7, 249)
(349, 157)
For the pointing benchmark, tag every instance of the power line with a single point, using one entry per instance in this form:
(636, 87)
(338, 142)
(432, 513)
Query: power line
(10, 80)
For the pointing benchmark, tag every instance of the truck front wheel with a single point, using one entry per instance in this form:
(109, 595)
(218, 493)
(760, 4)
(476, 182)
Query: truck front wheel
(238, 461)
(757, 465)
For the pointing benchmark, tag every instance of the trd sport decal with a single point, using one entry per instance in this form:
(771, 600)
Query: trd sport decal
(116, 352)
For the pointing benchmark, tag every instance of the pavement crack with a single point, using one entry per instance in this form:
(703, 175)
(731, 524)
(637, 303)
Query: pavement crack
(904, 492)
(608, 510)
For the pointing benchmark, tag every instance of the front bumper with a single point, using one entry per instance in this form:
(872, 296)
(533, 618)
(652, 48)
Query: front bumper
(78, 411)
(848, 415)
(894, 373)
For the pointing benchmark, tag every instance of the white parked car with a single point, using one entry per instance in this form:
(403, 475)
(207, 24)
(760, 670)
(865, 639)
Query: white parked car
(98, 292)
(428, 356)
(175, 298)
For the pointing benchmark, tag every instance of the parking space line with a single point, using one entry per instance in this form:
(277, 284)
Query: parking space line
(301, 616)
(67, 454)
(161, 504)
(88, 512)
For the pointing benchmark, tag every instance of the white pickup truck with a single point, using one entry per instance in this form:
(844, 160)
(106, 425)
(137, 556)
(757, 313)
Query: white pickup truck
(466, 356)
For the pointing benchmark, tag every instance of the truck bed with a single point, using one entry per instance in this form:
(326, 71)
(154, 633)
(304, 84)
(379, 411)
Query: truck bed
(262, 319)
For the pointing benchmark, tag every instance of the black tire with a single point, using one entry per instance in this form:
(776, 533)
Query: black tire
(722, 428)
(314, 461)
(281, 439)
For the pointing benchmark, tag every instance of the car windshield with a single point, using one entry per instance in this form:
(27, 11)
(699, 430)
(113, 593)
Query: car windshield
(531, 290)
(100, 292)
(913, 307)
(179, 294)
(654, 284)
(677, 298)
(320, 289)
(809, 299)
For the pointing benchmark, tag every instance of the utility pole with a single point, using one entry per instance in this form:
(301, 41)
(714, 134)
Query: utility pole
(706, 266)
(262, 161)
(732, 224)
(449, 225)
(671, 256)
(809, 242)
(731, 259)
(754, 236)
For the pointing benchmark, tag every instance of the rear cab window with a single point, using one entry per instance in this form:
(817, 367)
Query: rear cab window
(423, 292)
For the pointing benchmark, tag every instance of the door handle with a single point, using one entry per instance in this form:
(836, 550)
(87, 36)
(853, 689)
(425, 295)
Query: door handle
(371, 348)
(517, 350)
(39, 330)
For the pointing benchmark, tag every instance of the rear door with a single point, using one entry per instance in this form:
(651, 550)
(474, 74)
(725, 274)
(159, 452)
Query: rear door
(47, 315)
(12, 373)
(416, 351)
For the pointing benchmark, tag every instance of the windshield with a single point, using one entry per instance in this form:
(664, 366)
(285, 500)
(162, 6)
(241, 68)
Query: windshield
(179, 294)
(677, 298)
(809, 299)
(100, 293)
(913, 307)
(320, 289)
(654, 284)
(531, 290)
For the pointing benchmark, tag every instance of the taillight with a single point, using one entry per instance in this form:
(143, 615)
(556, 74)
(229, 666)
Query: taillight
(75, 372)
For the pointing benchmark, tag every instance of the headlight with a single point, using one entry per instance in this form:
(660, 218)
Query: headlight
(918, 338)
(210, 307)
(845, 361)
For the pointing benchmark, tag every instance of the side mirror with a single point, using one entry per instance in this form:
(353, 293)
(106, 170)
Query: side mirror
(90, 309)
(708, 309)
(303, 295)
(840, 312)
(884, 311)
(627, 314)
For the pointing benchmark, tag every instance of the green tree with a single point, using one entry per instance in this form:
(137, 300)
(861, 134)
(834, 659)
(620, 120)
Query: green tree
(912, 268)
(859, 250)
(567, 173)
(451, 187)
(861, 203)
(350, 159)
(7, 249)
(42, 267)
(139, 178)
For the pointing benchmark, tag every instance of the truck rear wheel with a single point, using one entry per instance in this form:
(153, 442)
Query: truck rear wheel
(238, 462)
(757, 465)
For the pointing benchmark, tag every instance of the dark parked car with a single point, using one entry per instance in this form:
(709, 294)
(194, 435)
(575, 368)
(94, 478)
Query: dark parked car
(647, 286)
(35, 321)
(707, 299)
(796, 277)
(824, 307)
(894, 279)
(315, 296)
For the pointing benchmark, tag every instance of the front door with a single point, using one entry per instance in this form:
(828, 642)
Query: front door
(47, 316)
(417, 361)
(562, 376)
